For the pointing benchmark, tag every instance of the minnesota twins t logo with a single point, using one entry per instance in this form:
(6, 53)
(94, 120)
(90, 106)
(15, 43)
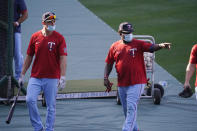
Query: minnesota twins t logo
(132, 51)
(51, 46)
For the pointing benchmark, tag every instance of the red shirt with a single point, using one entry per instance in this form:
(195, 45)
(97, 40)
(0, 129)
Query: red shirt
(47, 50)
(193, 58)
(129, 61)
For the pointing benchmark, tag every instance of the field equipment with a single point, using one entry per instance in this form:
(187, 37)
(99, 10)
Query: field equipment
(152, 89)
(11, 112)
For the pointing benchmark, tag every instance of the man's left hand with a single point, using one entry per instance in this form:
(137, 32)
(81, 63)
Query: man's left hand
(62, 83)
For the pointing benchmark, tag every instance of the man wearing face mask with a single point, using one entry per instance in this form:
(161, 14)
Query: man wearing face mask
(48, 70)
(127, 54)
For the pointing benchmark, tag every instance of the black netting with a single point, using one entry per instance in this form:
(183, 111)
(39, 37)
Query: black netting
(6, 36)
(3, 35)
(4, 10)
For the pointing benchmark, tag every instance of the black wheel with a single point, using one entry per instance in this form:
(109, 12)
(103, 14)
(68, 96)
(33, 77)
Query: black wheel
(156, 86)
(149, 91)
(159, 87)
(118, 99)
(157, 96)
(43, 100)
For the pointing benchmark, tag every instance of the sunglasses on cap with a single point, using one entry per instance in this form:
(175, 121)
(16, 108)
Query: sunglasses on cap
(50, 17)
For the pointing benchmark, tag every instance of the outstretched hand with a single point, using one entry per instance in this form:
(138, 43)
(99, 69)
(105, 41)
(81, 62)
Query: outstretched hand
(165, 45)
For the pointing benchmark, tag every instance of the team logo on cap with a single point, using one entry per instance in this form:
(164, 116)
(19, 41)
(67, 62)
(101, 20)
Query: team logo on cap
(51, 46)
(129, 26)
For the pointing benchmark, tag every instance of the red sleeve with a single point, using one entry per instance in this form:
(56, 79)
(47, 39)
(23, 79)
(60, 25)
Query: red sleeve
(146, 46)
(31, 47)
(22, 12)
(62, 47)
(193, 55)
(110, 57)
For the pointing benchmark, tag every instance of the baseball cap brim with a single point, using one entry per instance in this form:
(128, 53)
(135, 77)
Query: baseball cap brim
(127, 32)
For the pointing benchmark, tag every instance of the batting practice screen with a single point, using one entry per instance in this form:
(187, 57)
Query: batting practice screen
(6, 42)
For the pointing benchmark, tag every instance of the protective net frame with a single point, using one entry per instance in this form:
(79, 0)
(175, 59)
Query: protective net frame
(6, 47)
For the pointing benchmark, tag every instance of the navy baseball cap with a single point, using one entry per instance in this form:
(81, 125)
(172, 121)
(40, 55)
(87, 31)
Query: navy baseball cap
(126, 28)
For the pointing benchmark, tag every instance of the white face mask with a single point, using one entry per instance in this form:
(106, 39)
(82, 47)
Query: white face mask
(51, 27)
(128, 37)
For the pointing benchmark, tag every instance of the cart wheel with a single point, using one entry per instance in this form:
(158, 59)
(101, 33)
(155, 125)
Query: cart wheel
(118, 98)
(156, 86)
(43, 100)
(157, 96)
(159, 87)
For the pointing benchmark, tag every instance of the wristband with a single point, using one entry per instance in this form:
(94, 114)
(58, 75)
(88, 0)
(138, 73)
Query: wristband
(62, 77)
(17, 23)
(105, 77)
(160, 45)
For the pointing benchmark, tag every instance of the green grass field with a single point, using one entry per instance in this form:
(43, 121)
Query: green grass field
(92, 85)
(87, 85)
(173, 21)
